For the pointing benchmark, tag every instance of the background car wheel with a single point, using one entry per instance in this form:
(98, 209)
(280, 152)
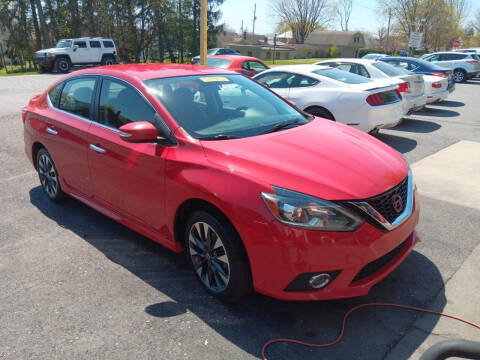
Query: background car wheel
(320, 112)
(62, 65)
(108, 60)
(459, 75)
(47, 172)
(217, 256)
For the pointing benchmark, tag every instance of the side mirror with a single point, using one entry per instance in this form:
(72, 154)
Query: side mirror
(75, 47)
(138, 132)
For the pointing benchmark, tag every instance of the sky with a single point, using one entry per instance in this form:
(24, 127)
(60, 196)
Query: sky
(364, 16)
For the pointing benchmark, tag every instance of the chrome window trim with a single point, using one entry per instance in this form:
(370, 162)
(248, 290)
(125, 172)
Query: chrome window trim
(375, 215)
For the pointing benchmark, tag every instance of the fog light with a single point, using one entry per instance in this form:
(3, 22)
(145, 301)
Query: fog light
(319, 281)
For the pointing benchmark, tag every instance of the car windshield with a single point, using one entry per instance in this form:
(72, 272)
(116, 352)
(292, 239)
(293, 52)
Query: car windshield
(223, 106)
(390, 70)
(218, 63)
(212, 51)
(64, 44)
(343, 76)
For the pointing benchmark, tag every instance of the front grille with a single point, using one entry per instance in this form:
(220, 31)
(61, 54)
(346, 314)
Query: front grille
(383, 203)
(376, 265)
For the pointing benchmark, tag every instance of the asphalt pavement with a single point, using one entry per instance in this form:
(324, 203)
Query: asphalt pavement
(76, 285)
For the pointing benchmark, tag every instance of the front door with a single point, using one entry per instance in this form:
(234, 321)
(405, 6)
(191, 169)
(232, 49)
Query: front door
(128, 177)
(80, 54)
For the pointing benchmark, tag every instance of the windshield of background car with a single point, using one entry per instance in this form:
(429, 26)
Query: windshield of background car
(390, 70)
(343, 76)
(211, 51)
(218, 63)
(64, 44)
(207, 106)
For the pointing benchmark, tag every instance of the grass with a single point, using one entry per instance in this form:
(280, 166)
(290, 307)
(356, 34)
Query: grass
(15, 70)
(293, 61)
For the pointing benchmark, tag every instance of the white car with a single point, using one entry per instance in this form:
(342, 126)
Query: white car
(411, 86)
(354, 100)
(436, 88)
(464, 65)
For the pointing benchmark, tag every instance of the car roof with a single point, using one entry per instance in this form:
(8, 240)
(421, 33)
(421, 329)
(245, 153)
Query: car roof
(301, 68)
(153, 70)
(351, 60)
(233, 57)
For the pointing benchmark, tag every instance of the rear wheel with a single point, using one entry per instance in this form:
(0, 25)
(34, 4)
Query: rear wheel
(108, 60)
(47, 172)
(459, 75)
(217, 256)
(320, 112)
(62, 65)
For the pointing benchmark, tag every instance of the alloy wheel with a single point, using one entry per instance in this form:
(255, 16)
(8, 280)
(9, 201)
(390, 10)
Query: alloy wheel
(108, 62)
(458, 76)
(209, 256)
(48, 175)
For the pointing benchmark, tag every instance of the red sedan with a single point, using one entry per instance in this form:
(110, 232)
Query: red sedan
(245, 65)
(259, 194)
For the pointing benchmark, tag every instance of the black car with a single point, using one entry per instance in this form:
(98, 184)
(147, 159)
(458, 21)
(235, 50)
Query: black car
(216, 51)
(419, 66)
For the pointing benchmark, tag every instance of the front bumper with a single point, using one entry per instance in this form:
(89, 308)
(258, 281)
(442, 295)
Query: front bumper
(292, 252)
(44, 61)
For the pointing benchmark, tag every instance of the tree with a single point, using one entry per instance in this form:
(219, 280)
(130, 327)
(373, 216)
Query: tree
(344, 10)
(303, 16)
(334, 52)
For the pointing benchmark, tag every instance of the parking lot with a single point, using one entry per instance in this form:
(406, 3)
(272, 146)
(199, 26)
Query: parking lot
(76, 284)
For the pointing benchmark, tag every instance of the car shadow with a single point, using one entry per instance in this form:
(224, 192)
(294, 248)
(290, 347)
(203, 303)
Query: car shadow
(432, 111)
(401, 144)
(248, 324)
(417, 126)
(449, 103)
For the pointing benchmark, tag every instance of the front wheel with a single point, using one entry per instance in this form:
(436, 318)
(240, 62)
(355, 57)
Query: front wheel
(47, 172)
(217, 256)
(62, 65)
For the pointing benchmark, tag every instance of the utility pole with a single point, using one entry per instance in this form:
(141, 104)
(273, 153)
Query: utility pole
(203, 32)
(254, 18)
(388, 28)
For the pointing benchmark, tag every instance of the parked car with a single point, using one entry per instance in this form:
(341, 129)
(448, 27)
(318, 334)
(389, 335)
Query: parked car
(411, 86)
(215, 51)
(373, 56)
(419, 66)
(260, 194)
(436, 88)
(333, 94)
(77, 52)
(245, 65)
(464, 65)
(472, 50)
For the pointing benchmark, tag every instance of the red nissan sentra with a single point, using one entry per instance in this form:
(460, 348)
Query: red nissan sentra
(258, 193)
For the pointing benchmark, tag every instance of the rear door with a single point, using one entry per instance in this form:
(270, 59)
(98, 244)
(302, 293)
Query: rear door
(95, 53)
(129, 177)
(67, 130)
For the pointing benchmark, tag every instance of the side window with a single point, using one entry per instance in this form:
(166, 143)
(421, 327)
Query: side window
(54, 94)
(246, 65)
(108, 44)
(345, 67)
(435, 57)
(77, 96)
(95, 44)
(459, 56)
(81, 44)
(363, 71)
(302, 81)
(412, 66)
(120, 105)
(256, 66)
(275, 80)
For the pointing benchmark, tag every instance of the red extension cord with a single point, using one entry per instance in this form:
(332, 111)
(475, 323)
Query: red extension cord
(347, 314)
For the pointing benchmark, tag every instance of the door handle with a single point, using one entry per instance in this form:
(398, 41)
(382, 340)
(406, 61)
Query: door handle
(97, 149)
(51, 131)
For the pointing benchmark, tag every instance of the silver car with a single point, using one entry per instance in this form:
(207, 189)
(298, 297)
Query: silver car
(464, 65)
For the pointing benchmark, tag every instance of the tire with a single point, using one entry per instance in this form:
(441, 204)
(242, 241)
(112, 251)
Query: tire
(460, 76)
(320, 112)
(48, 175)
(108, 60)
(62, 65)
(222, 267)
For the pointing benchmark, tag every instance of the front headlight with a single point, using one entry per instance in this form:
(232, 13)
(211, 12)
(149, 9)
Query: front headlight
(300, 210)
(50, 54)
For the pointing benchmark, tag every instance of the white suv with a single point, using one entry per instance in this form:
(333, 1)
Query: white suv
(464, 65)
(75, 52)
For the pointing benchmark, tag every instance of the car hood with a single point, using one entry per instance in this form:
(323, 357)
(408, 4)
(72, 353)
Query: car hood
(321, 158)
(50, 50)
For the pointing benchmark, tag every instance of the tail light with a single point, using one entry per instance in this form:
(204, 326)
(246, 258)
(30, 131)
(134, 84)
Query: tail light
(403, 87)
(440, 74)
(473, 62)
(116, 51)
(24, 114)
(436, 85)
(374, 100)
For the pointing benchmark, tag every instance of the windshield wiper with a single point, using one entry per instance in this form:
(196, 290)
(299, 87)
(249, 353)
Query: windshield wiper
(282, 126)
(219, 137)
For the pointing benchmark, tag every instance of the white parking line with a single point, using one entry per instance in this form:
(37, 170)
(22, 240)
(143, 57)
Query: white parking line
(451, 175)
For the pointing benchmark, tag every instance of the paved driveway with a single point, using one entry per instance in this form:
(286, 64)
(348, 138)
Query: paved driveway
(75, 284)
